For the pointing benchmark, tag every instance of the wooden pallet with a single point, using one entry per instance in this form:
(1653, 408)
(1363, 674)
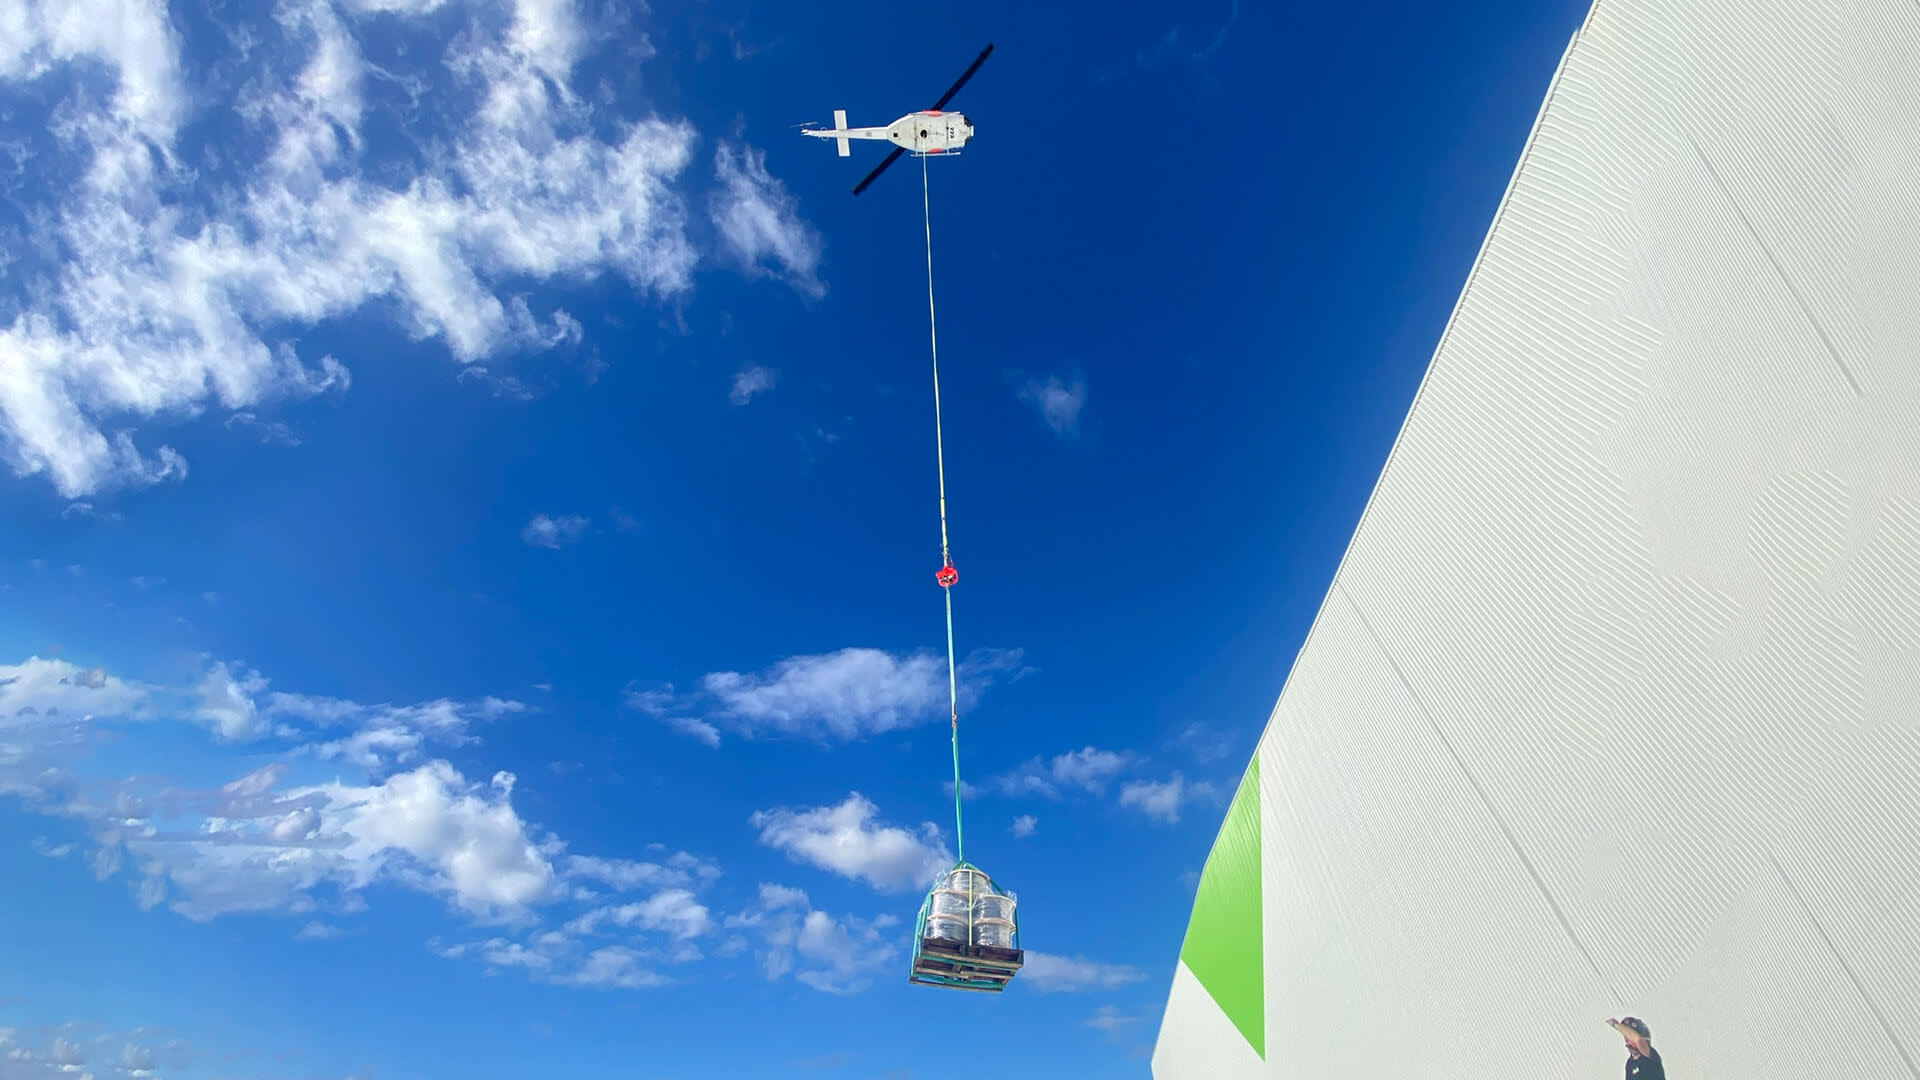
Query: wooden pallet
(965, 967)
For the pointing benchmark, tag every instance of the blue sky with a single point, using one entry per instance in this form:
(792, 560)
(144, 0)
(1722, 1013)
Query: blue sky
(466, 584)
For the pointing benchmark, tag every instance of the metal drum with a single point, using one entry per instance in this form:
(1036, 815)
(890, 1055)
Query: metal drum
(993, 906)
(947, 928)
(967, 882)
(996, 933)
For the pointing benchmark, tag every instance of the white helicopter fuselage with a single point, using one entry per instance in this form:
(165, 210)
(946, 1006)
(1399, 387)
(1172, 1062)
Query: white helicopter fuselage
(929, 132)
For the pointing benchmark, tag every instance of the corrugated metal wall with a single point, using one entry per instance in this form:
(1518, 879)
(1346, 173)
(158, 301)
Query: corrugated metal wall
(1614, 705)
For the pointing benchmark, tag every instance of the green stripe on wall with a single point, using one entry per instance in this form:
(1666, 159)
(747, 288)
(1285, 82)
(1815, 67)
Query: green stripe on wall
(1224, 948)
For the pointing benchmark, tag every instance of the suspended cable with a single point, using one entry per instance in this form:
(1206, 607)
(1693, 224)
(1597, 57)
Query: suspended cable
(948, 575)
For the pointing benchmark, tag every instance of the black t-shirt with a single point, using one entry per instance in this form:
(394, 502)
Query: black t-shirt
(1646, 1068)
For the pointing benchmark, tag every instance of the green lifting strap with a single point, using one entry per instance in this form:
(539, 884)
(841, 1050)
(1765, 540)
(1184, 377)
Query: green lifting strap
(946, 556)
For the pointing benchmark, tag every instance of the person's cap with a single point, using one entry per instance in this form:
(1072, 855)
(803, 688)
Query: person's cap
(1636, 1024)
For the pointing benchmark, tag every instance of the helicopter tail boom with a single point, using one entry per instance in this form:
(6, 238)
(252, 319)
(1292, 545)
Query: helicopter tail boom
(841, 133)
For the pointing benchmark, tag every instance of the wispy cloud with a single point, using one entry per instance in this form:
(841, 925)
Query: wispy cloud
(234, 702)
(504, 385)
(76, 1050)
(844, 695)
(846, 839)
(759, 220)
(835, 955)
(270, 432)
(680, 870)
(1088, 769)
(676, 912)
(172, 276)
(1162, 800)
(1170, 49)
(554, 532)
(1062, 974)
(1024, 825)
(1059, 402)
(257, 843)
(561, 960)
(1207, 744)
(81, 509)
(748, 381)
(40, 690)
(666, 705)
(269, 844)
(1110, 1020)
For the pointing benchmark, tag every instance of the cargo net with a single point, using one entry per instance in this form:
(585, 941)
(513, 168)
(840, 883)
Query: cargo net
(968, 937)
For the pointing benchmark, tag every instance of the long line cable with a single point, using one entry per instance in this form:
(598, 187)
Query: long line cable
(946, 556)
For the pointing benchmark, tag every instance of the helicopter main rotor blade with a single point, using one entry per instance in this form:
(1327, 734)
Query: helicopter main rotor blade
(962, 81)
(878, 169)
(937, 106)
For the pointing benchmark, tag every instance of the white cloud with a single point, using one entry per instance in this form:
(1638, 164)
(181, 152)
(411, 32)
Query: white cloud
(233, 702)
(552, 532)
(748, 381)
(1162, 800)
(662, 704)
(81, 508)
(848, 693)
(227, 706)
(832, 955)
(1087, 769)
(759, 220)
(75, 1051)
(841, 954)
(52, 850)
(679, 871)
(1206, 744)
(1047, 972)
(1024, 825)
(620, 946)
(263, 844)
(253, 846)
(269, 432)
(51, 691)
(164, 285)
(130, 36)
(256, 844)
(1109, 1019)
(1058, 401)
(318, 931)
(845, 839)
(774, 897)
(615, 967)
(662, 930)
(557, 959)
(675, 912)
(845, 695)
(695, 727)
(382, 736)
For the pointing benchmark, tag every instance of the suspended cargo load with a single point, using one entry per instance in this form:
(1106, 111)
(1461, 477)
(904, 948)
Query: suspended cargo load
(1606, 730)
(968, 936)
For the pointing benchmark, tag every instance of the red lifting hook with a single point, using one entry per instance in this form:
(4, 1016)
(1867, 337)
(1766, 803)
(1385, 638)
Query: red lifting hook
(947, 576)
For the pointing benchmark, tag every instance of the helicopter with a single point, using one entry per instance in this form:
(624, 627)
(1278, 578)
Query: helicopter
(930, 131)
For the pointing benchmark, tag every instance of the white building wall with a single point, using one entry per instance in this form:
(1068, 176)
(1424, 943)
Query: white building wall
(1614, 704)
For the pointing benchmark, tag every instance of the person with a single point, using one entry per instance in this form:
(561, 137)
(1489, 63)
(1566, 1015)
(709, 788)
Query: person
(1643, 1061)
